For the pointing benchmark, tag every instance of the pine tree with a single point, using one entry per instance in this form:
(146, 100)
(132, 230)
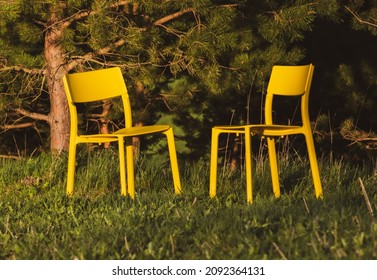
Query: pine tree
(344, 85)
(267, 33)
(185, 55)
(43, 40)
(363, 85)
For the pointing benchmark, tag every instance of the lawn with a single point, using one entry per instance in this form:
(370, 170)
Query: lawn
(38, 221)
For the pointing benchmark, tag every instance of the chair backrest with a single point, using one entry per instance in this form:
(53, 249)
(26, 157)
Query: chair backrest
(95, 86)
(289, 81)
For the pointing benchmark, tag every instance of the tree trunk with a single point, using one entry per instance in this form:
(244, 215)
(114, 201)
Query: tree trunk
(139, 90)
(235, 154)
(55, 70)
(59, 116)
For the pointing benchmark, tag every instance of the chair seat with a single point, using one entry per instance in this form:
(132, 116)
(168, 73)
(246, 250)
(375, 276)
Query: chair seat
(262, 129)
(141, 130)
(274, 129)
(96, 138)
(230, 127)
(127, 132)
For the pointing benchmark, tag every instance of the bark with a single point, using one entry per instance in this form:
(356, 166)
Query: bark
(139, 90)
(136, 142)
(235, 154)
(55, 70)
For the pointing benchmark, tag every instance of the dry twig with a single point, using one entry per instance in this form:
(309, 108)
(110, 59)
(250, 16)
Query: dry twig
(369, 205)
(277, 248)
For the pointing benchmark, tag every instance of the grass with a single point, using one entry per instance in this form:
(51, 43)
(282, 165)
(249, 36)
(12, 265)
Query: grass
(38, 221)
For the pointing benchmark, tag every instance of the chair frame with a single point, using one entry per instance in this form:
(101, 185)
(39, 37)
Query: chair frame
(286, 81)
(100, 85)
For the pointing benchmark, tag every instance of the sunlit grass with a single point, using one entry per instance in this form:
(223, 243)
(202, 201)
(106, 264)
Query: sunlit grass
(38, 221)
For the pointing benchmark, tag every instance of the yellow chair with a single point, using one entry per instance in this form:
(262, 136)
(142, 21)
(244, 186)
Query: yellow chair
(106, 84)
(284, 81)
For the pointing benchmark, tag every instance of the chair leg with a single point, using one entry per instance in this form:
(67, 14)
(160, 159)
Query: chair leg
(248, 160)
(122, 167)
(71, 168)
(130, 167)
(173, 160)
(314, 165)
(273, 166)
(213, 163)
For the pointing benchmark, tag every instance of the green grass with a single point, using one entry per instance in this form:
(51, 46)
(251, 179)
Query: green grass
(38, 221)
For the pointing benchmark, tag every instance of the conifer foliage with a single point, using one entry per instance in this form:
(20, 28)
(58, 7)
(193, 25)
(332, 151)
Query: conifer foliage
(176, 55)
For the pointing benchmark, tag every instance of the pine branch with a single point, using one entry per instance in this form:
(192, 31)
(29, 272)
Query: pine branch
(22, 69)
(79, 15)
(83, 14)
(173, 16)
(357, 136)
(35, 116)
(91, 55)
(359, 19)
(108, 64)
(121, 42)
(170, 17)
(17, 126)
